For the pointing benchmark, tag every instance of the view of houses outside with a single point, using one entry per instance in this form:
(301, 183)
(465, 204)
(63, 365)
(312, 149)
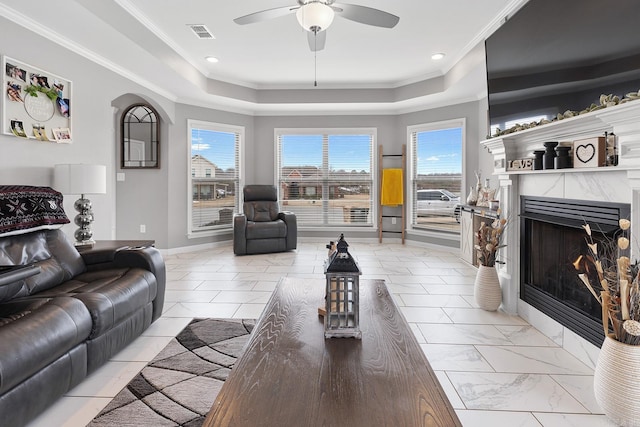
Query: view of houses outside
(214, 178)
(437, 179)
(326, 179)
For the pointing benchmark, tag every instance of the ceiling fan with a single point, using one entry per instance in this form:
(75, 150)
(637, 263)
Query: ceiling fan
(315, 16)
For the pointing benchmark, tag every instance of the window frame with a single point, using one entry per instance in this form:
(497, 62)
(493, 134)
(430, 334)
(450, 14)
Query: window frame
(411, 198)
(372, 132)
(214, 127)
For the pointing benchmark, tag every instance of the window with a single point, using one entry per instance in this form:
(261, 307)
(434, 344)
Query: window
(436, 175)
(325, 177)
(215, 180)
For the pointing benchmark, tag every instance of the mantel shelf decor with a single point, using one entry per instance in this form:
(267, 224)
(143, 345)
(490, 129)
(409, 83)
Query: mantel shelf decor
(604, 102)
(622, 119)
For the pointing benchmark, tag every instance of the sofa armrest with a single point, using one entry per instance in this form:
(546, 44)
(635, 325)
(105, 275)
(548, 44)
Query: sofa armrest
(290, 219)
(150, 259)
(95, 257)
(239, 234)
(13, 273)
(13, 280)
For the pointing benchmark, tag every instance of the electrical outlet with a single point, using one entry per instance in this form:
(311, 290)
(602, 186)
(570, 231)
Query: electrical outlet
(393, 220)
(143, 228)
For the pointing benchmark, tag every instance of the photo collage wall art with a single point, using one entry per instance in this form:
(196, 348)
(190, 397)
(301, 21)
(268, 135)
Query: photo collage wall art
(37, 104)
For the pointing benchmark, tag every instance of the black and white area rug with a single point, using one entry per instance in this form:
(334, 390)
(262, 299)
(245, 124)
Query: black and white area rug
(178, 387)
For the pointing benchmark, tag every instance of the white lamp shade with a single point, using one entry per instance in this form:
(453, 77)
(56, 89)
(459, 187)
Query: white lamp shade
(80, 179)
(315, 14)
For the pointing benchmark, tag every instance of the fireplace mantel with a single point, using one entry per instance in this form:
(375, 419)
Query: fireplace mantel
(615, 183)
(623, 120)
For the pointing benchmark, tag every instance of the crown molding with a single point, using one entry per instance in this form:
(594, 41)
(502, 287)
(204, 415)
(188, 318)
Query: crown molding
(389, 105)
(132, 10)
(512, 7)
(50, 34)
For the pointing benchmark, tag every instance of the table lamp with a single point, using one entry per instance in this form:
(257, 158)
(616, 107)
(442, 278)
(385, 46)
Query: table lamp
(81, 179)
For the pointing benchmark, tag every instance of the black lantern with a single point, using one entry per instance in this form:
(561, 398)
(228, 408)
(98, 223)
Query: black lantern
(343, 294)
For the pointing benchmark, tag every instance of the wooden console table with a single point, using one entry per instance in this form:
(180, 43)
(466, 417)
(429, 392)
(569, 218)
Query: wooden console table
(290, 375)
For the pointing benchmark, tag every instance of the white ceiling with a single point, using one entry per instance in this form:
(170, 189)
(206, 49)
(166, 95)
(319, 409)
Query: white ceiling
(267, 67)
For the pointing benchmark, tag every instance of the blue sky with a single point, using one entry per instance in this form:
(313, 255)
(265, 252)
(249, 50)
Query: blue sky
(346, 152)
(217, 147)
(439, 151)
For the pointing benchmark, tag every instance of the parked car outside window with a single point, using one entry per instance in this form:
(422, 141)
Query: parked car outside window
(437, 202)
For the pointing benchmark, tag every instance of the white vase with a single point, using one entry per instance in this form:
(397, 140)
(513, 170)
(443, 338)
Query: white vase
(616, 382)
(486, 288)
(472, 198)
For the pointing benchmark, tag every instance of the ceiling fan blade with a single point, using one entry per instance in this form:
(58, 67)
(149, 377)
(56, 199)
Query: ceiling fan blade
(367, 15)
(316, 40)
(265, 15)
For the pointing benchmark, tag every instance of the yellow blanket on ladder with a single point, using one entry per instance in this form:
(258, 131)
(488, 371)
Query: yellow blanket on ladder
(391, 191)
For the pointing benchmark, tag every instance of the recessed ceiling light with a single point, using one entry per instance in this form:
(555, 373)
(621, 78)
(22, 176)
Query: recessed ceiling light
(437, 56)
(212, 59)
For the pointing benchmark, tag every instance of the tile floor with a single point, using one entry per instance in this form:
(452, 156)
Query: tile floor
(496, 369)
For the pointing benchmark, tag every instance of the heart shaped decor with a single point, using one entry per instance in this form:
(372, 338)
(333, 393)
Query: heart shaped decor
(585, 153)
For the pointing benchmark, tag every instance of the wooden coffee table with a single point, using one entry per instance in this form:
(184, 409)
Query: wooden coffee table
(290, 375)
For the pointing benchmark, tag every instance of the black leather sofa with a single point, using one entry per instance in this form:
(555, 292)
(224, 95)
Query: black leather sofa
(64, 313)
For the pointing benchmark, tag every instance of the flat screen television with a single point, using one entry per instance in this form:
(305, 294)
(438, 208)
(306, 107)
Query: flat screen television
(557, 55)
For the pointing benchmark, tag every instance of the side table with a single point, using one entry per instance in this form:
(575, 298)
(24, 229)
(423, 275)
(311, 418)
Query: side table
(116, 245)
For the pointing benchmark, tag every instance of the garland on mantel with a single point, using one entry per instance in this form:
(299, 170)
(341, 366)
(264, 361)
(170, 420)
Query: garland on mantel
(605, 101)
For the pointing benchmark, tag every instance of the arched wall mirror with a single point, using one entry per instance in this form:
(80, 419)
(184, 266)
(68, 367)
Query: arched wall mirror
(140, 138)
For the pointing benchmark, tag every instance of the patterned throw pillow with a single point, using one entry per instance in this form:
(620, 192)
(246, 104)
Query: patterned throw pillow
(26, 208)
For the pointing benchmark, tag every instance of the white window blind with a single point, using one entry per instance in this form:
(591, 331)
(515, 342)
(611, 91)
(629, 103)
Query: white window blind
(214, 182)
(325, 176)
(436, 175)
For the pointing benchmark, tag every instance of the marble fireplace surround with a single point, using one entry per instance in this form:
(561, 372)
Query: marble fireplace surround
(615, 184)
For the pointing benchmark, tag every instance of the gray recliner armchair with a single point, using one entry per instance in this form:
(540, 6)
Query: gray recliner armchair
(263, 228)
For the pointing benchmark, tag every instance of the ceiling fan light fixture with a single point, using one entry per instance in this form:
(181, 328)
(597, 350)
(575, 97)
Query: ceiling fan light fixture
(315, 16)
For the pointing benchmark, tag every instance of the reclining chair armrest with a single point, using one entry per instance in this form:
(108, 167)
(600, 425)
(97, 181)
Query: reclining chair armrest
(239, 234)
(291, 221)
(149, 259)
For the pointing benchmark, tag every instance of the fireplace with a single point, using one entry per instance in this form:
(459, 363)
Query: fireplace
(552, 238)
(616, 184)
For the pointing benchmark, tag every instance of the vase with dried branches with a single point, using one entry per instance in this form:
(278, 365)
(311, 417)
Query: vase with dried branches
(608, 273)
(486, 289)
(617, 288)
(489, 237)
